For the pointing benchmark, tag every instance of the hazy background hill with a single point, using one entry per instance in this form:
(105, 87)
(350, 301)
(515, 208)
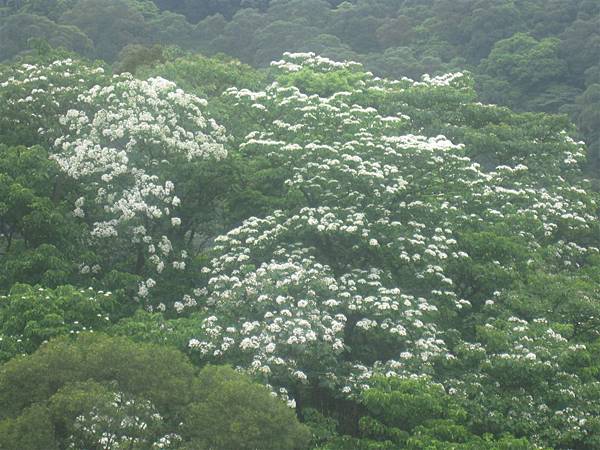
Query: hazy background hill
(531, 55)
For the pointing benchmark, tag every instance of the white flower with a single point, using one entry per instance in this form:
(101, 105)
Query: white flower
(300, 375)
(194, 343)
(179, 265)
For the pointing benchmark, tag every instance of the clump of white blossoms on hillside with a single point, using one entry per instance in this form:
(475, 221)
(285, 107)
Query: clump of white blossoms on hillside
(125, 141)
(362, 278)
(121, 141)
(33, 95)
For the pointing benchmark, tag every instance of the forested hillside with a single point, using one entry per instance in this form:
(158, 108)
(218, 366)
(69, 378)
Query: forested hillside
(196, 253)
(530, 55)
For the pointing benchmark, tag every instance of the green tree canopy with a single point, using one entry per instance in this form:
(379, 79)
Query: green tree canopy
(101, 392)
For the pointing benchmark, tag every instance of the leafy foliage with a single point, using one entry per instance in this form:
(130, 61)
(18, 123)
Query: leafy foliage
(404, 266)
(416, 414)
(38, 238)
(30, 316)
(109, 392)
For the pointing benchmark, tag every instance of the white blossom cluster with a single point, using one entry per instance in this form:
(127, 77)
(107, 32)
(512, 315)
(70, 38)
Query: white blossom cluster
(122, 423)
(275, 320)
(359, 280)
(123, 139)
(121, 136)
(294, 62)
(32, 95)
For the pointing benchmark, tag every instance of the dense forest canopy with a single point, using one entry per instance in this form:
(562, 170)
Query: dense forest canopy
(293, 224)
(530, 55)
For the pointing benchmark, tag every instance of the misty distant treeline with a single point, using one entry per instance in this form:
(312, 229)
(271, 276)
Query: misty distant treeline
(531, 55)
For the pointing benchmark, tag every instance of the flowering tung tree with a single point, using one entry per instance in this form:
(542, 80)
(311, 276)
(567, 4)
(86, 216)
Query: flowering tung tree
(127, 142)
(406, 240)
(124, 141)
(374, 272)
